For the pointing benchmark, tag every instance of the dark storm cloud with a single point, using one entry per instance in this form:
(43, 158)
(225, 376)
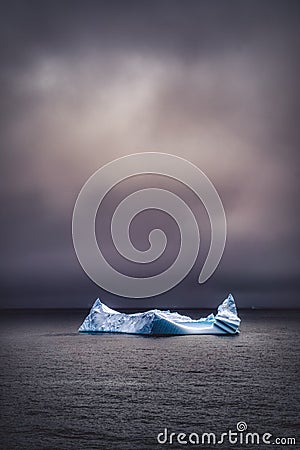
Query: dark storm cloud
(30, 28)
(214, 82)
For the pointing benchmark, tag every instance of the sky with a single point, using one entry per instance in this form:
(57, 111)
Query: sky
(216, 83)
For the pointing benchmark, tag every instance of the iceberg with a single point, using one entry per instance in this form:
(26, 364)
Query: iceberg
(102, 319)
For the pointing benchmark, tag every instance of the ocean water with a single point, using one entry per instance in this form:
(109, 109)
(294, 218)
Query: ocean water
(62, 390)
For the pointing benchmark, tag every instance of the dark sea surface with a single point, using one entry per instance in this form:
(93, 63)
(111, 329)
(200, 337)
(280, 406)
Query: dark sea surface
(62, 390)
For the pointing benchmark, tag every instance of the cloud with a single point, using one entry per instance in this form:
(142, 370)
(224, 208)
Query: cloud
(86, 83)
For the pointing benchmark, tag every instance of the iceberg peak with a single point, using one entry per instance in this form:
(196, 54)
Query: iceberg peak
(101, 307)
(228, 307)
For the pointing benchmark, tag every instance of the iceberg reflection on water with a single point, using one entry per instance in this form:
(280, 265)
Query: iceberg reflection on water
(102, 319)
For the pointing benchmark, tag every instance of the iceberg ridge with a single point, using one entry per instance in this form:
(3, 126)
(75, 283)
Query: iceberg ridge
(102, 319)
